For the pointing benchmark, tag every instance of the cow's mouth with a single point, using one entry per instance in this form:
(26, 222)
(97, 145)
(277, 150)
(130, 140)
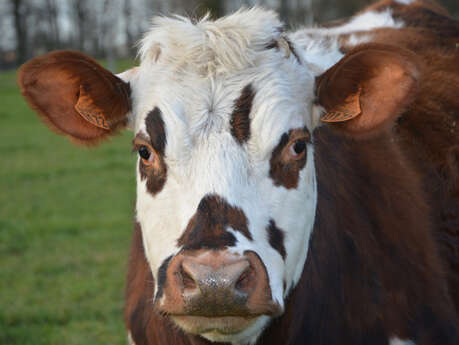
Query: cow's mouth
(219, 326)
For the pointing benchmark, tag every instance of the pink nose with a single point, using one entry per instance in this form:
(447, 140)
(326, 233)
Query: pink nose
(216, 283)
(229, 279)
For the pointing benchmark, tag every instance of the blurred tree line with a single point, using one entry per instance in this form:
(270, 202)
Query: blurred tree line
(110, 28)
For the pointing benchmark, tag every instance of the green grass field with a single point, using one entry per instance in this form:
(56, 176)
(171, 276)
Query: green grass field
(65, 226)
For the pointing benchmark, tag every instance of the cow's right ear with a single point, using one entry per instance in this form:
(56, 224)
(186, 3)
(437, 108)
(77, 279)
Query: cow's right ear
(368, 88)
(76, 96)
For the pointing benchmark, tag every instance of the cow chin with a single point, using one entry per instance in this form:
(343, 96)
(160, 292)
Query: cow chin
(228, 329)
(224, 326)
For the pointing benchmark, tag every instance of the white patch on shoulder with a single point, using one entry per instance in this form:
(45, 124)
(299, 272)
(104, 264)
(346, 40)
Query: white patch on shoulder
(364, 22)
(397, 341)
(319, 53)
(321, 47)
(356, 39)
(405, 2)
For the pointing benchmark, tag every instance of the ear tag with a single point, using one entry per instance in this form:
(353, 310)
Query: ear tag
(89, 111)
(346, 111)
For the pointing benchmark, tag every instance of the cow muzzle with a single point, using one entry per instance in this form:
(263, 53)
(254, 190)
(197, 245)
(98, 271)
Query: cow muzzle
(216, 292)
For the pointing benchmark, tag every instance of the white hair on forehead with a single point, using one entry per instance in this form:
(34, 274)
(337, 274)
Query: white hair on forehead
(210, 47)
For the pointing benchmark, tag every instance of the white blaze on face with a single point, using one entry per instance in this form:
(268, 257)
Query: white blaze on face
(190, 75)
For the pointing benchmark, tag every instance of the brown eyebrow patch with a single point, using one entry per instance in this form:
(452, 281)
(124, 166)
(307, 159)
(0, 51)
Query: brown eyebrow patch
(156, 130)
(208, 226)
(276, 238)
(240, 120)
(156, 177)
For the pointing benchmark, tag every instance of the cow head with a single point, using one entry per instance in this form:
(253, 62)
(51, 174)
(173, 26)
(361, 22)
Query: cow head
(223, 114)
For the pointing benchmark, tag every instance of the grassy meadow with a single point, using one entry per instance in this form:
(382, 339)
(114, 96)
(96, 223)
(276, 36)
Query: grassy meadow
(65, 227)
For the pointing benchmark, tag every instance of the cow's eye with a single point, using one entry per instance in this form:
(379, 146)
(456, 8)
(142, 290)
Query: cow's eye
(147, 155)
(299, 146)
(297, 149)
(144, 152)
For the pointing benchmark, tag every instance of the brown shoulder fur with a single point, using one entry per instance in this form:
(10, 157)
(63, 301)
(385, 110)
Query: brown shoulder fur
(428, 131)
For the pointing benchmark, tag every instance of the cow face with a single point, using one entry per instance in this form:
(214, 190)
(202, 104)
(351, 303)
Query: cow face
(226, 188)
(223, 121)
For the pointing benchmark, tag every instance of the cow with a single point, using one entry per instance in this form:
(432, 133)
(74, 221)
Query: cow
(292, 187)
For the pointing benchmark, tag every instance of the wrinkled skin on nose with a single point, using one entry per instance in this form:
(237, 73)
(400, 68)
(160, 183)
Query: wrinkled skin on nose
(224, 285)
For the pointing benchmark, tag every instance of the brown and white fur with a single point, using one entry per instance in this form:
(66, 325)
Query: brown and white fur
(322, 164)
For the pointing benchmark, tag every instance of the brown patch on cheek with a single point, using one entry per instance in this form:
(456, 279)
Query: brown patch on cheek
(276, 238)
(155, 175)
(282, 171)
(139, 290)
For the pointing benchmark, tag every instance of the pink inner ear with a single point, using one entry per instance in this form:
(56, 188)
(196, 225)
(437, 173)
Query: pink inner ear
(89, 111)
(349, 110)
(49, 91)
(365, 91)
(75, 96)
(384, 98)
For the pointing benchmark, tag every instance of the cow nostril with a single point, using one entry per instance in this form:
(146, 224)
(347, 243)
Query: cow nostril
(200, 277)
(217, 284)
(187, 280)
(243, 282)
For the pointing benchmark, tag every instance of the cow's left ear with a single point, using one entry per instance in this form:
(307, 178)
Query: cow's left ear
(76, 96)
(367, 89)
